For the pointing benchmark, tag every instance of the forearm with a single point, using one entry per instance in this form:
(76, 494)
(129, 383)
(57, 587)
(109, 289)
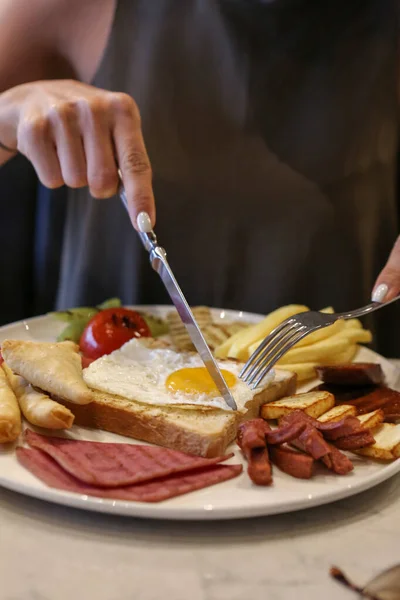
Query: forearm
(46, 66)
(30, 51)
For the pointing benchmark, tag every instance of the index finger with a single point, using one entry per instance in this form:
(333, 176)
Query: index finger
(132, 159)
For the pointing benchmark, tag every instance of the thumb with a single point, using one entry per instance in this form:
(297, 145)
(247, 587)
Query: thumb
(387, 285)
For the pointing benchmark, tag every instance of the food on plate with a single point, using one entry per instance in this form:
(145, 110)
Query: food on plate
(252, 441)
(335, 344)
(316, 441)
(166, 378)
(47, 470)
(312, 441)
(258, 441)
(10, 415)
(312, 403)
(124, 378)
(203, 425)
(387, 443)
(358, 374)
(292, 462)
(337, 413)
(54, 368)
(214, 333)
(382, 397)
(158, 327)
(237, 346)
(112, 465)
(177, 330)
(327, 350)
(372, 419)
(36, 406)
(78, 318)
(110, 329)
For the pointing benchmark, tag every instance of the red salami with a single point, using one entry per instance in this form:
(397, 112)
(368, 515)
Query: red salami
(291, 462)
(337, 462)
(50, 472)
(252, 441)
(112, 465)
(353, 442)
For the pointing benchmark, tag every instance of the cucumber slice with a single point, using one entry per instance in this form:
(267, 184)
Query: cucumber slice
(73, 331)
(156, 325)
(72, 314)
(110, 303)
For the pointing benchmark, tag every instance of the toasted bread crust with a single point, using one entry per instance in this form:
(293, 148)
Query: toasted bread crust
(163, 427)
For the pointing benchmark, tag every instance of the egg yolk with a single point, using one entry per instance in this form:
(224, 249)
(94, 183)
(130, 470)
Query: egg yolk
(197, 380)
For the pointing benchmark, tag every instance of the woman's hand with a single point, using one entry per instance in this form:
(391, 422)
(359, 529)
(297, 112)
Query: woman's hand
(387, 285)
(76, 134)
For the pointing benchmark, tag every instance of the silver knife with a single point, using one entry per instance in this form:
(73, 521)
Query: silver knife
(158, 260)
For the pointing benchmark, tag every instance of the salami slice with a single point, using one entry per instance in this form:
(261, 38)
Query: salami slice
(47, 470)
(113, 465)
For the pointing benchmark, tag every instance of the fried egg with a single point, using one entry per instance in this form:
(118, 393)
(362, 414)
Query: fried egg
(164, 377)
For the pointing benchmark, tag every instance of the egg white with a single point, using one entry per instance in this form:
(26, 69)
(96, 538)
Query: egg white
(136, 372)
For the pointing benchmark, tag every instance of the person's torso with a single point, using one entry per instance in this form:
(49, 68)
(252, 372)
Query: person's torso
(272, 132)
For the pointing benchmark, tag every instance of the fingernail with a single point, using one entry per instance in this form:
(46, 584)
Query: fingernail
(380, 293)
(143, 222)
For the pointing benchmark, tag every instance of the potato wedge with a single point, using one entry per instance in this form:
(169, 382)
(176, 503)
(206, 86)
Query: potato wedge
(372, 419)
(387, 443)
(312, 403)
(337, 413)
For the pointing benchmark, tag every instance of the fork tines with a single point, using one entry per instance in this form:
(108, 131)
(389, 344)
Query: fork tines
(275, 345)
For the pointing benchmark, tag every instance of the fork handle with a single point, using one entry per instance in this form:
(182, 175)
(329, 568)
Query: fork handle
(365, 310)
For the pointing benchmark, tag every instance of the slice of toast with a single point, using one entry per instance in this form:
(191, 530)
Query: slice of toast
(205, 433)
(337, 413)
(387, 443)
(312, 403)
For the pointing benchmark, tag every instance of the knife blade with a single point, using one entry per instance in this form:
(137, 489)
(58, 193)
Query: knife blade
(158, 260)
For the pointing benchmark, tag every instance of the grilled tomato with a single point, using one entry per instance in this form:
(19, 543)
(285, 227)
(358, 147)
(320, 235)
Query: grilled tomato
(110, 329)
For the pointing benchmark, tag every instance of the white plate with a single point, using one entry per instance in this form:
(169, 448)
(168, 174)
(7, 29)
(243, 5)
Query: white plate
(237, 498)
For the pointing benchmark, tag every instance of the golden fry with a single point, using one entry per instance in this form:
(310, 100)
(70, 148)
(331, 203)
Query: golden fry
(238, 345)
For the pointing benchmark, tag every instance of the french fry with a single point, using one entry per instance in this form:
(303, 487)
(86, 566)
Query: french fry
(238, 345)
(358, 336)
(319, 352)
(353, 324)
(304, 371)
(344, 357)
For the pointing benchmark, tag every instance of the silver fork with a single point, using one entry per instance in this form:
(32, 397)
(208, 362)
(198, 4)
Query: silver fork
(289, 333)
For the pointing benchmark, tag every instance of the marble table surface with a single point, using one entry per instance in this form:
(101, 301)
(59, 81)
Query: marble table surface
(48, 552)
